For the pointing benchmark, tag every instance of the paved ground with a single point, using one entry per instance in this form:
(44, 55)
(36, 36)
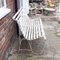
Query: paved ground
(48, 49)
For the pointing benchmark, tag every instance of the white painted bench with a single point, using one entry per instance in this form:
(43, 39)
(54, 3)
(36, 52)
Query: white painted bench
(30, 28)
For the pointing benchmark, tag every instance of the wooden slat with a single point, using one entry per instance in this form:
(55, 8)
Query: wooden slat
(19, 15)
(32, 33)
(14, 17)
(39, 25)
(36, 30)
(20, 21)
(43, 33)
(27, 33)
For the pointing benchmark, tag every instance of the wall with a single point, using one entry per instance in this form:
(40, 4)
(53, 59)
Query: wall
(7, 29)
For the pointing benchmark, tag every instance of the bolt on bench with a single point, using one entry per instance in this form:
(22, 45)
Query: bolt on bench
(31, 29)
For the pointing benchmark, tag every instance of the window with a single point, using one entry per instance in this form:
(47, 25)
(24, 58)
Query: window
(3, 9)
(2, 3)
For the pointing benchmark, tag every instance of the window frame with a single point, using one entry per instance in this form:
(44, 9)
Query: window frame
(21, 3)
(4, 2)
(4, 10)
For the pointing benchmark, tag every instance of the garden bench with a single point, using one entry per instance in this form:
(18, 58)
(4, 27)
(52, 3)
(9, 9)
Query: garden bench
(31, 29)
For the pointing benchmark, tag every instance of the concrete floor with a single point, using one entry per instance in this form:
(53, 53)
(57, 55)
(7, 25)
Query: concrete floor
(48, 49)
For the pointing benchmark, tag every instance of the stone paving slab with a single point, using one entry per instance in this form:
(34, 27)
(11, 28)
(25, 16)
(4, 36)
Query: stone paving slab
(43, 50)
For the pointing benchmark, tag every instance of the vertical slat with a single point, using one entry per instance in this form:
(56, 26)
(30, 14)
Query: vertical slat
(39, 29)
(29, 37)
(27, 33)
(34, 31)
(25, 28)
(43, 33)
(20, 20)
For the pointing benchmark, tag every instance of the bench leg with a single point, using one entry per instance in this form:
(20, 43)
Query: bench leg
(25, 45)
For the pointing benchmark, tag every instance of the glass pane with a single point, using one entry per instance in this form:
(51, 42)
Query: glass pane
(2, 3)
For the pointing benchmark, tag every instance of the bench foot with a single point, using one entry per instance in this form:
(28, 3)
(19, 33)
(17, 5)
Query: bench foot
(25, 45)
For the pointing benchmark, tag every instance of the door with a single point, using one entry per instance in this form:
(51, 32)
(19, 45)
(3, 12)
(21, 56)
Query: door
(18, 4)
(24, 4)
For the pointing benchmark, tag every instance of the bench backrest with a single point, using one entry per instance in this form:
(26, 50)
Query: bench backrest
(30, 28)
